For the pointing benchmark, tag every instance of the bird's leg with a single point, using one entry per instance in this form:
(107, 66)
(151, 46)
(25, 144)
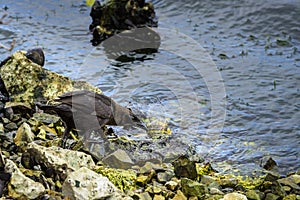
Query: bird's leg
(65, 136)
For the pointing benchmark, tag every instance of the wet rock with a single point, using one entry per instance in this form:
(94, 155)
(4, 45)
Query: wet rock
(268, 163)
(183, 167)
(179, 196)
(193, 188)
(24, 135)
(234, 196)
(13, 108)
(36, 55)
(118, 159)
(34, 83)
(114, 16)
(60, 161)
(21, 187)
(215, 191)
(87, 184)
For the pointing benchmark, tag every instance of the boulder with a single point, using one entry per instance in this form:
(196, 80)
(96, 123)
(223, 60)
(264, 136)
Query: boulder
(234, 196)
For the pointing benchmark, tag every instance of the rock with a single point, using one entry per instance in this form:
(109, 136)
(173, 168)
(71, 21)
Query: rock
(228, 182)
(86, 184)
(254, 195)
(207, 180)
(18, 108)
(21, 187)
(144, 196)
(163, 177)
(61, 161)
(11, 126)
(183, 167)
(149, 166)
(179, 196)
(115, 16)
(158, 197)
(193, 188)
(39, 84)
(143, 180)
(291, 182)
(271, 196)
(1, 128)
(24, 135)
(118, 159)
(272, 176)
(290, 197)
(171, 185)
(234, 196)
(268, 163)
(215, 191)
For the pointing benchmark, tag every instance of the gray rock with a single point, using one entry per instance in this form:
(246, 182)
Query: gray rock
(291, 182)
(118, 159)
(21, 187)
(85, 184)
(254, 195)
(171, 185)
(267, 163)
(11, 126)
(163, 177)
(61, 161)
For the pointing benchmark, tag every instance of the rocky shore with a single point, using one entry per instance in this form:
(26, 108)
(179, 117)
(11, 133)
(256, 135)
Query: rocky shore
(34, 166)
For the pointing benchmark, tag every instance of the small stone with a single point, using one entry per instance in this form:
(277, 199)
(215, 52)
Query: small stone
(271, 196)
(234, 196)
(24, 135)
(254, 195)
(267, 163)
(272, 176)
(179, 196)
(207, 180)
(228, 182)
(163, 177)
(214, 191)
(289, 181)
(158, 197)
(144, 196)
(1, 128)
(142, 180)
(193, 188)
(118, 159)
(290, 197)
(11, 126)
(171, 185)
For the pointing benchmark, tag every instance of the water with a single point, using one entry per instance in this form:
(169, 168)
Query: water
(234, 110)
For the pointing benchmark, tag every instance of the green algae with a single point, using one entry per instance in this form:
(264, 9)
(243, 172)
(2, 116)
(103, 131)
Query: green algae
(125, 180)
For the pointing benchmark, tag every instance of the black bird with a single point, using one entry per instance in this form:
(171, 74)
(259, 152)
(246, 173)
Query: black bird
(36, 55)
(85, 111)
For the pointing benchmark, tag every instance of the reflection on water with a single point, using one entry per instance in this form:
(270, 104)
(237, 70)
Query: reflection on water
(254, 45)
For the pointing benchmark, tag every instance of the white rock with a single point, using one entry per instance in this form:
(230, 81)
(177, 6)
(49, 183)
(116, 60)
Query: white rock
(21, 187)
(85, 184)
(234, 196)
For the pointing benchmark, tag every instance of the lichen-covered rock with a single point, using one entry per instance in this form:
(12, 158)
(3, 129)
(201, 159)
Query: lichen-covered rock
(193, 188)
(21, 187)
(125, 180)
(234, 196)
(28, 82)
(61, 161)
(86, 184)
